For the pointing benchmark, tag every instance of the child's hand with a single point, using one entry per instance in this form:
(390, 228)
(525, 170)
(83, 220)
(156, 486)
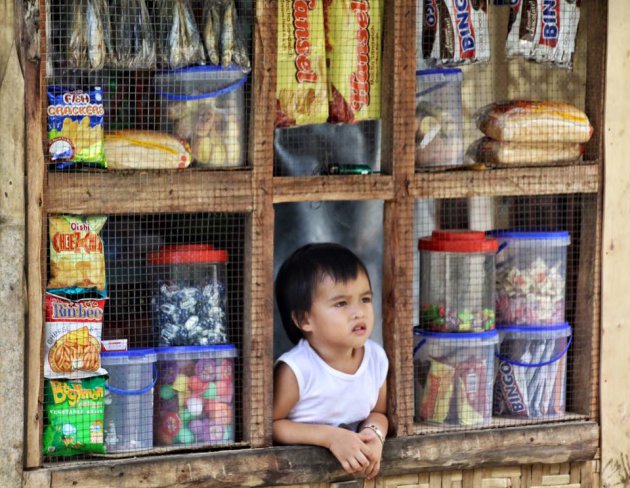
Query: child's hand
(351, 451)
(372, 441)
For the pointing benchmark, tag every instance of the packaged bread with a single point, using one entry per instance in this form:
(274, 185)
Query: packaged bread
(139, 149)
(534, 121)
(489, 151)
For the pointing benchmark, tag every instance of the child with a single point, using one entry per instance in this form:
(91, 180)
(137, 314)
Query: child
(330, 389)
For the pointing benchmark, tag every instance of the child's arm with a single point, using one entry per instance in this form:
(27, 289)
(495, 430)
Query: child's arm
(378, 419)
(345, 445)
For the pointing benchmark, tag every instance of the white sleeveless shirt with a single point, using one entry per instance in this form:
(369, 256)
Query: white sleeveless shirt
(331, 397)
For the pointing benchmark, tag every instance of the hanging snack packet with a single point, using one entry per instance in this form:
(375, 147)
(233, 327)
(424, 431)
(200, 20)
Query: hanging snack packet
(353, 56)
(301, 96)
(73, 337)
(543, 30)
(75, 126)
(77, 262)
(75, 415)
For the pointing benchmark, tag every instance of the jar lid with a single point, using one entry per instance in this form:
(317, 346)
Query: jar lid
(458, 241)
(562, 235)
(187, 253)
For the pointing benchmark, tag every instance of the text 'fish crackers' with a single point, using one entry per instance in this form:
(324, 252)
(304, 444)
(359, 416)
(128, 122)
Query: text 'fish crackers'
(75, 126)
(77, 262)
(353, 54)
(301, 93)
(73, 337)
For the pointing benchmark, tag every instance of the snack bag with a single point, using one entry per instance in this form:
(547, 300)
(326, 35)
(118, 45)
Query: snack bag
(436, 399)
(75, 415)
(353, 57)
(75, 126)
(73, 337)
(77, 262)
(301, 96)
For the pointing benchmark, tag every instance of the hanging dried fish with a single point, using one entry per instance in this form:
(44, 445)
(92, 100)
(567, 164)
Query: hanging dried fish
(211, 33)
(95, 36)
(193, 47)
(77, 46)
(240, 56)
(179, 40)
(134, 43)
(227, 35)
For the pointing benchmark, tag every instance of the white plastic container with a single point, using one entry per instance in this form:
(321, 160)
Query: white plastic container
(129, 402)
(453, 377)
(439, 125)
(203, 105)
(531, 277)
(531, 373)
(194, 397)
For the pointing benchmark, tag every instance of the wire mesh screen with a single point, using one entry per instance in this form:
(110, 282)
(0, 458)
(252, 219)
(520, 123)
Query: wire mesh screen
(148, 85)
(499, 84)
(328, 85)
(495, 310)
(144, 336)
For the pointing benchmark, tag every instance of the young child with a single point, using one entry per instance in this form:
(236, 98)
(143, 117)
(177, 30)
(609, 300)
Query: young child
(330, 389)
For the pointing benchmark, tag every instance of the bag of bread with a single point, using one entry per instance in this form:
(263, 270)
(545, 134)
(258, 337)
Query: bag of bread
(77, 262)
(73, 337)
(491, 152)
(143, 149)
(301, 96)
(534, 121)
(353, 56)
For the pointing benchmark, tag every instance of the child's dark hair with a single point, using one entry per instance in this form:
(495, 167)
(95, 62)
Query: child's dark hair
(301, 272)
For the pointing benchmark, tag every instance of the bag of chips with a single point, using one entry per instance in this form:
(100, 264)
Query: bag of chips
(75, 126)
(75, 415)
(77, 262)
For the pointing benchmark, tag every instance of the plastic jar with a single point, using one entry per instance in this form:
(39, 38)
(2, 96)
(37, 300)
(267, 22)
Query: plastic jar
(453, 377)
(457, 279)
(189, 297)
(531, 277)
(531, 372)
(194, 397)
(129, 408)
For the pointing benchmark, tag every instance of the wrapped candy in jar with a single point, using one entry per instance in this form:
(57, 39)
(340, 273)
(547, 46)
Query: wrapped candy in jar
(457, 275)
(531, 277)
(194, 395)
(189, 296)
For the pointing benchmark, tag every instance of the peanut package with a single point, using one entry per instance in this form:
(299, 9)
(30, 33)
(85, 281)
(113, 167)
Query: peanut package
(77, 262)
(301, 93)
(353, 56)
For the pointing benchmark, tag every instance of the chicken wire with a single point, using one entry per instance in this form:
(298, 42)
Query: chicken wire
(173, 325)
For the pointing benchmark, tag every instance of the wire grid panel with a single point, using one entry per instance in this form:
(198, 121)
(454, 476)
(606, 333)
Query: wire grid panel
(499, 85)
(328, 92)
(148, 84)
(171, 330)
(495, 311)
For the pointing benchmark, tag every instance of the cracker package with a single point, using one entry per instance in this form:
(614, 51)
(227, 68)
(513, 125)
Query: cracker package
(74, 416)
(353, 56)
(72, 337)
(301, 93)
(75, 126)
(77, 262)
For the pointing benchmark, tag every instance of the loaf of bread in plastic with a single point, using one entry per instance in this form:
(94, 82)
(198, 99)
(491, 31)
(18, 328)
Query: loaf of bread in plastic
(141, 149)
(491, 152)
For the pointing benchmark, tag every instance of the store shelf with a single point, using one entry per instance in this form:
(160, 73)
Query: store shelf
(122, 192)
(582, 178)
(323, 188)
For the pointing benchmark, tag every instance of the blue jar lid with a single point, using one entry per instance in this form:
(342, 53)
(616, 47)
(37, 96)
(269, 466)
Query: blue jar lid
(458, 336)
(511, 234)
(445, 71)
(132, 353)
(195, 349)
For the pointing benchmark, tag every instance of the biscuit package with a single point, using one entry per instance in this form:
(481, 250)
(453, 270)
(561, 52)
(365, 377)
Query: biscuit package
(75, 126)
(77, 262)
(73, 337)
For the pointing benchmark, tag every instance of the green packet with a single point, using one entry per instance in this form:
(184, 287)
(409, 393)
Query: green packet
(75, 416)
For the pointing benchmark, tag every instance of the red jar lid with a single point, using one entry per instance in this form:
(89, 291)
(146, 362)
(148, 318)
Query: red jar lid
(458, 241)
(187, 253)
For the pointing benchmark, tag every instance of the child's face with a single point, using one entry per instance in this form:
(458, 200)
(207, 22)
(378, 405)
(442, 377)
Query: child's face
(341, 315)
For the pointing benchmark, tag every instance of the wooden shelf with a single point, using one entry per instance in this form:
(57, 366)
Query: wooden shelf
(322, 188)
(123, 192)
(583, 178)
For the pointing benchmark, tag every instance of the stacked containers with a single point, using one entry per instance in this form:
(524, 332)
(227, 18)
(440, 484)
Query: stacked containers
(455, 344)
(194, 397)
(531, 283)
(129, 408)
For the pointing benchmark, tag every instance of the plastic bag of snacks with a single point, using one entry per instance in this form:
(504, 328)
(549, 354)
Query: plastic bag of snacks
(75, 126)
(353, 56)
(77, 262)
(301, 96)
(75, 413)
(73, 337)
